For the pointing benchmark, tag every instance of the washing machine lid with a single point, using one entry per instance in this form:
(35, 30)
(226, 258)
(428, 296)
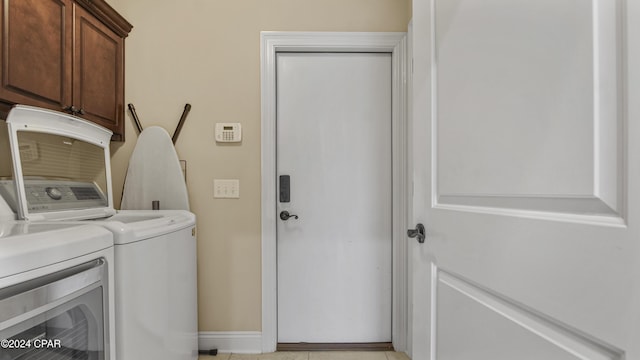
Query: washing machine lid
(61, 166)
(26, 246)
(130, 226)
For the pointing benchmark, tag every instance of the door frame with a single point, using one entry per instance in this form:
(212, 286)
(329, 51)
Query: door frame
(382, 42)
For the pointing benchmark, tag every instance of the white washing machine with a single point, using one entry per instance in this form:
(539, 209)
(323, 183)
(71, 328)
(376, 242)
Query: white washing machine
(155, 251)
(56, 292)
(155, 257)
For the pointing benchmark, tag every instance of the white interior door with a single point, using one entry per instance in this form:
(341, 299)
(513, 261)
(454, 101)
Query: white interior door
(334, 143)
(526, 172)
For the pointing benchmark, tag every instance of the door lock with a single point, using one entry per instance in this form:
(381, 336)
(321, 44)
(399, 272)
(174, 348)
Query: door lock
(284, 215)
(419, 233)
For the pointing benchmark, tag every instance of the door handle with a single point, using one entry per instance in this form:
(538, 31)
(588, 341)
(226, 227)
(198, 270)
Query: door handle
(419, 233)
(284, 215)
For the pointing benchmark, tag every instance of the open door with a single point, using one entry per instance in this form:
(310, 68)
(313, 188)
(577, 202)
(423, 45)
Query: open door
(526, 154)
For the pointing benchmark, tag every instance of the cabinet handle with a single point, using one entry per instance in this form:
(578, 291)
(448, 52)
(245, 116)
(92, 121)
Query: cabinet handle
(73, 110)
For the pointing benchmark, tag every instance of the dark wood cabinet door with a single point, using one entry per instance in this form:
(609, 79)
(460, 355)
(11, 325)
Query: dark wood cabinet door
(98, 73)
(36, 52)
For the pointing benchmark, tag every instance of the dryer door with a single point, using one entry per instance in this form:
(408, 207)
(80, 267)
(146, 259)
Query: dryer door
(56, 316)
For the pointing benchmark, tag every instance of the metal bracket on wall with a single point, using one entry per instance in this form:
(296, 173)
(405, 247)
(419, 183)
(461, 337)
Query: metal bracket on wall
(176, 133)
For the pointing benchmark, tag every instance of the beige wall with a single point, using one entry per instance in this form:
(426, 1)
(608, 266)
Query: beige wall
(207, 53)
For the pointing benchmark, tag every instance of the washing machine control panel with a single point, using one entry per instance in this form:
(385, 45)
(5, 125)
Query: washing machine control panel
(54, 195)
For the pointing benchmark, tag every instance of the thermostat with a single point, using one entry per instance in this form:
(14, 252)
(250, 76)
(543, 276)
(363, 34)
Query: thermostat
(228, 132)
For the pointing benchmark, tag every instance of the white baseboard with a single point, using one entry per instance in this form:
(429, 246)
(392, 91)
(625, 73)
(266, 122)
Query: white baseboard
(239, 342)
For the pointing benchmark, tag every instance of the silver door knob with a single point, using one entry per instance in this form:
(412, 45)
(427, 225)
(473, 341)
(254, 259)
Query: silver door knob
(419, 232)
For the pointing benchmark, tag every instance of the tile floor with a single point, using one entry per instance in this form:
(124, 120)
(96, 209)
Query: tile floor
(313, 355)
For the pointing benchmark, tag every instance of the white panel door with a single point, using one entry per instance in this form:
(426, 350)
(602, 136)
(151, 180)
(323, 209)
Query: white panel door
(334, 142)
(527, 178)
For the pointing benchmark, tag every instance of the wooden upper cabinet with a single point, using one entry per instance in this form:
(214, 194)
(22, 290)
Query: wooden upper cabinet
(98, 72)
(65, 55)
(37, 53)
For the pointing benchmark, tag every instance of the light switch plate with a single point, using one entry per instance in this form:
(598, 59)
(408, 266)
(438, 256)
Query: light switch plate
(226, 188)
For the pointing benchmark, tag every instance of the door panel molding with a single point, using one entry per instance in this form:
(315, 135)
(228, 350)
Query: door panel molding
(394, 43)
(586, 102)
(456, 297)
(577, 209)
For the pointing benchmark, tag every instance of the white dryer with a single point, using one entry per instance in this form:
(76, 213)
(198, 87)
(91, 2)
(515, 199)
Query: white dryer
(56, 292)
(155, 251)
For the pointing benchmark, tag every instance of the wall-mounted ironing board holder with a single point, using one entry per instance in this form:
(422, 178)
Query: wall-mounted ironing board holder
(176, 132)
